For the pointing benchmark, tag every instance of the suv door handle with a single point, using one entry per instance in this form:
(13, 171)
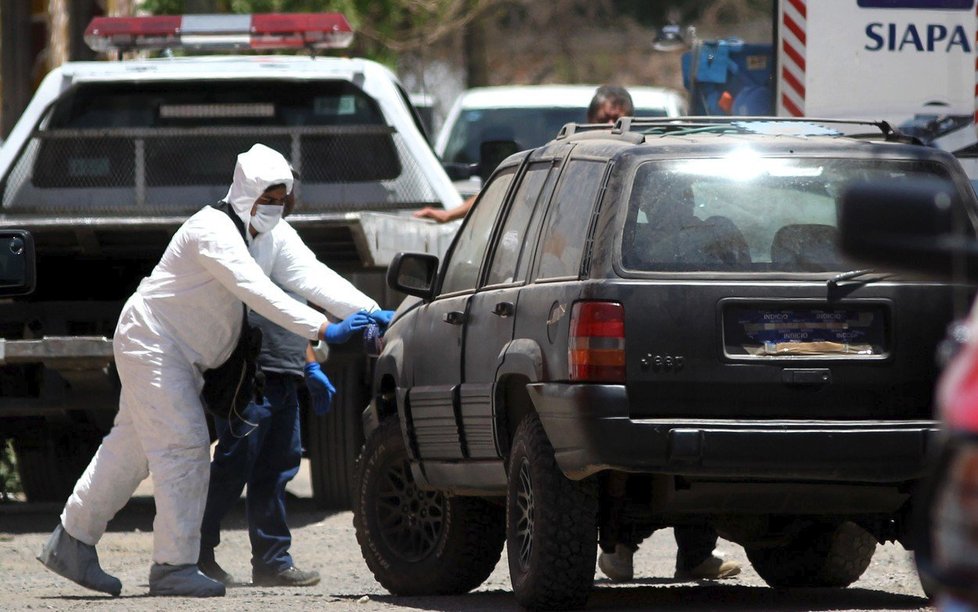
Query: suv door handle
(454, 317)
(504, 309)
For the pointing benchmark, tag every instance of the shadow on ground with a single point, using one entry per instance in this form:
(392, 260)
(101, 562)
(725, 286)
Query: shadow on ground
(21, 517)
(657, 594)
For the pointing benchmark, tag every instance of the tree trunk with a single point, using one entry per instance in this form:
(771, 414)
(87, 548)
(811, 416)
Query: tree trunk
(474, 47)
(16, 59)
(79, 15)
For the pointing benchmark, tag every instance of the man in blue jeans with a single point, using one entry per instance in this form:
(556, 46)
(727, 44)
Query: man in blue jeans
(262, 447)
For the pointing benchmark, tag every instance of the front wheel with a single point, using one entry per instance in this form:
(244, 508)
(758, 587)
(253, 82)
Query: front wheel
(419, 542)
(335, 438)
(822, 556)
(551, 526)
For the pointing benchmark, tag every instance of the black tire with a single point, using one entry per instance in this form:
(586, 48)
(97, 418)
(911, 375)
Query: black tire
(420, 542)
(551, 525)
(822, 556)
(336, 438)
(50, 459)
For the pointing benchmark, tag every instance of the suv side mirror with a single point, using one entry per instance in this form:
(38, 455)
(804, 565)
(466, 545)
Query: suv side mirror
(16, 262)
(492, 153)
(917, 227)
(413, 274)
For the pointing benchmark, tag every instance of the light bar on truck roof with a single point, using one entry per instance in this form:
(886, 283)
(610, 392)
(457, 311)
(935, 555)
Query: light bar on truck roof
(220, 32)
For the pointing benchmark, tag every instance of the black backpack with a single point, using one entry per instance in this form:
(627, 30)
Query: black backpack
(229, 387)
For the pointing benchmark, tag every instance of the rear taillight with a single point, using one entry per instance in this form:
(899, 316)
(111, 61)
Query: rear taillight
(596, 351)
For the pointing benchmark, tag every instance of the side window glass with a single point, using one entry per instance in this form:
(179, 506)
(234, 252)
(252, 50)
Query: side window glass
(503, 267)
(526, 257)
(462, 269)
(565, 229)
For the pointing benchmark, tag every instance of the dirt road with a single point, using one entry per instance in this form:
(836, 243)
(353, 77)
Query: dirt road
(326, 542)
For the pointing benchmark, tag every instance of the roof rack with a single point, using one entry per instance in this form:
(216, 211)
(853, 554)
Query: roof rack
(784, 126)
(569, 129)
(787, 126)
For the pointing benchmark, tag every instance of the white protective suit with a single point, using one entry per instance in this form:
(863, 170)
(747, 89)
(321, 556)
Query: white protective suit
(183, 319)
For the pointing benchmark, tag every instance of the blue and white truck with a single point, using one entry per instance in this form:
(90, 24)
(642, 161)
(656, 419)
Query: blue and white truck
(912, 63)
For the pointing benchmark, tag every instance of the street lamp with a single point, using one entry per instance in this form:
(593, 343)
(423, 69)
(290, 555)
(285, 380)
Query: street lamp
(669, 38)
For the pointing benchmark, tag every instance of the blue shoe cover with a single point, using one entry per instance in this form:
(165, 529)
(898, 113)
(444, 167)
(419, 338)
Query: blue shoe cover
(182, 581)
(78, 562)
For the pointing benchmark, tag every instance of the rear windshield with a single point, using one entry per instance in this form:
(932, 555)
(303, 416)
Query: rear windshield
(529, 127)
(166, 146)
(746, 214)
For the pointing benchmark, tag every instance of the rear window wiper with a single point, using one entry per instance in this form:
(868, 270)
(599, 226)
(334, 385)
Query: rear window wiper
(851, 274)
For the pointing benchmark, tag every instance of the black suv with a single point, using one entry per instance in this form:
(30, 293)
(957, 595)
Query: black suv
(646, 326)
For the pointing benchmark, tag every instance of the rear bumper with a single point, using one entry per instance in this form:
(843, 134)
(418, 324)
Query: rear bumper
(59, 352)
(591, 431)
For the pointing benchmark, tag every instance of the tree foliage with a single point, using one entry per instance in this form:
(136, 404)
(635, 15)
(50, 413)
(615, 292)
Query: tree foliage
(513, 41)
(384, 28)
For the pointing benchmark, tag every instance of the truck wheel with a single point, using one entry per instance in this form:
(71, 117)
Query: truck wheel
(336, 438)
(824, 556)
(551, 525)
(420, 542)
(50, 460)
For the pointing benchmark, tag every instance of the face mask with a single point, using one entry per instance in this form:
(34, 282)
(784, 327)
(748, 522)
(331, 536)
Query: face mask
(266, 217)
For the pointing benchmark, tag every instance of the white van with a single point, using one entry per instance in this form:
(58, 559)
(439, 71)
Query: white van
(530, 115)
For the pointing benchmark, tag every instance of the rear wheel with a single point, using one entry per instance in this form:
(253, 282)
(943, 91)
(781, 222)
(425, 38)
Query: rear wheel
(821, 556)
(551, 526)
(51, 458)
(419, 542)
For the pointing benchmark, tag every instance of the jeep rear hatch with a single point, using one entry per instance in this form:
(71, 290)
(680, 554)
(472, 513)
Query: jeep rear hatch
(735, 314)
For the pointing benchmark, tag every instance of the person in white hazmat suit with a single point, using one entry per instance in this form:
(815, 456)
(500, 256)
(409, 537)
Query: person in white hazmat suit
(183, 319)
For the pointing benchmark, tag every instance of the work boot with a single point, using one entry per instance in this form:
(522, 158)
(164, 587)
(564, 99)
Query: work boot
(208, 566)
(78, 562)
(713, 568)
(182, 581)
(291, 576)
(617, 566)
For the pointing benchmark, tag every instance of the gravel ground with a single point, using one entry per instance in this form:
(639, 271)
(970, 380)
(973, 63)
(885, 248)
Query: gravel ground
(326, 542)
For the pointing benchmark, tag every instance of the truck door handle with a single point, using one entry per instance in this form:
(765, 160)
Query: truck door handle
(504, 309)
(454, 317)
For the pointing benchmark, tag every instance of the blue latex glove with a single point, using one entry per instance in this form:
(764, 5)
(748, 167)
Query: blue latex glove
(321, 391)
(338, 333)
(382, 317)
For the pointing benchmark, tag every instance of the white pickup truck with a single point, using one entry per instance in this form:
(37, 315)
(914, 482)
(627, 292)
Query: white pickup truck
(110, 157)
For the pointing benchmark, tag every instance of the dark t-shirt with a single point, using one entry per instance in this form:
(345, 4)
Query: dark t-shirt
(281, 350)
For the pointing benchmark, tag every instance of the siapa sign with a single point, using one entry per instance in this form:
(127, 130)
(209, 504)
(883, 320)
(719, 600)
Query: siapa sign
(929, 37)
(876, 59)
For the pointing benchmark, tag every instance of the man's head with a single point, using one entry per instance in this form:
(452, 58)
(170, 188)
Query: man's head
(269, 208)
(261, 184)
(609, 103)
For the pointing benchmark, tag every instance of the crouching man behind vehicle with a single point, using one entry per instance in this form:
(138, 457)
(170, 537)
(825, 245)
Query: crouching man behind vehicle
(184, 318)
